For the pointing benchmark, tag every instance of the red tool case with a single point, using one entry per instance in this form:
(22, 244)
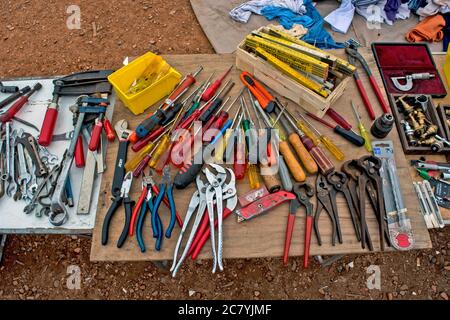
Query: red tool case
(401, 59)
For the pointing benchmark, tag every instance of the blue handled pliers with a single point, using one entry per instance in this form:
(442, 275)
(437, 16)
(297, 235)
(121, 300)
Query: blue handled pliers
(165, 188)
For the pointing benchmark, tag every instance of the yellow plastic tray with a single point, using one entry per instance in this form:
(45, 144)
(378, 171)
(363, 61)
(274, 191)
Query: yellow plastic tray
(123, 78)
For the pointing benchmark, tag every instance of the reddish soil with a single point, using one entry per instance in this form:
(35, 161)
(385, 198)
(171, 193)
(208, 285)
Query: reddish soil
(35, 41)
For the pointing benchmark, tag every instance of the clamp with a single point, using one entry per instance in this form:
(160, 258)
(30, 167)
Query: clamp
(303, 192)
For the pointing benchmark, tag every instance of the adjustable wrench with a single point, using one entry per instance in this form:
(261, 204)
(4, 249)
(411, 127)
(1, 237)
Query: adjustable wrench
(11, 161)
(24, 176)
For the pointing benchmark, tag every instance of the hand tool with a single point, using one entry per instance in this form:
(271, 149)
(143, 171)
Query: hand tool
(8, 89)
(59, 214)
(303, 192)
(359, 185)
(304, 128)
(9, 114)
(431, 200)
(354, 55)
(340, 120)
(326, 141)
(151, 137)
(96, 134)
(83, 83)
(428, 217)
(346, 134)
(109, 130)
(229, 134)
(263, 205)
(316, 153)
(87, 182)
(382, 126)
(123, 135)
(409, 80)
(283, 171)
(371, 166)
(143, 156)
(325, 194)
(251, 147)
(264, 98)
(211, 90)
(123, 197)
(14, 96)
(198, 97)
(30, 144)
(362, 129)
(292, 73)
(172, 112)
(215, 104)
(165, 189)
(339, 181)
(199, 202)
(155, 119)
(240, 159)
(251, 196)
(147, 205)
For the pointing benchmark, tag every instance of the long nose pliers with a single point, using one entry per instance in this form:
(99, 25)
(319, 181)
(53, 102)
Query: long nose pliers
(123, 197)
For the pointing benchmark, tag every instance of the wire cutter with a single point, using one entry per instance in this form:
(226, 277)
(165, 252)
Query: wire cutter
(325, 196)
(354, 55)
(124, 197)
(303, 192)
(165, 188)
(146, 205)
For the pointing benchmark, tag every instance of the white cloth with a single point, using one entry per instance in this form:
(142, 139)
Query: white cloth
(341, 18)
(243, 12)
(433, 7)
(375, 14)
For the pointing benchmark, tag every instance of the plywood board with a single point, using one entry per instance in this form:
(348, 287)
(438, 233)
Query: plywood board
(264, 236)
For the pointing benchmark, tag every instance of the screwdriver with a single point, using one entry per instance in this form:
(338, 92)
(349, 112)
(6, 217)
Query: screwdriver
(294, 166)
(211, 90)
(151, 137)
(220, 148)
(216, 103)
(251, 140)
(172, 112)
(240, 163)
(340, 120)
(151, 122)
(297, 140)
(346, 134)
(332, 148)
(304, 128)
(323, 162)
(362, 130)
(198, 97)
(131, 164)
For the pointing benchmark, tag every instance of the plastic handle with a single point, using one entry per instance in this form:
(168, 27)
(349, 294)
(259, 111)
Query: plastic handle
(95, 136)
(209, 93)
(339, 119)
(284, 175)
(366, 137)
(264, 98)
(141, 166)
(253, 177)
(288, 238)
(379, 95)
(136, 160)
(151, 137)
(48, 126)
(160, 149)
(350, 136)
(292, 163)
(109, 130)
(308, 231)
(332, 148)
(79, 153)
(308, 162)
(365, 98)
(8, 115)
(136, 211)
(322, 160)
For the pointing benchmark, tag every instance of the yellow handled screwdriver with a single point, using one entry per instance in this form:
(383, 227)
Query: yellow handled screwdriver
(304, 128)
(331, 147)
(362, 129)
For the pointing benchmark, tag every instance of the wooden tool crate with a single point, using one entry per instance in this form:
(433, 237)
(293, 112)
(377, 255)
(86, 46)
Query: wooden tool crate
(284, 85)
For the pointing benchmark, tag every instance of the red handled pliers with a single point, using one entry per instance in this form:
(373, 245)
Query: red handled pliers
(303, 192)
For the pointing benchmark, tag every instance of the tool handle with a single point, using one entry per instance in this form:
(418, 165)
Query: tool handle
(109, 130)
(283, 171)
(107, 221)
(379, 95)
(149, 124)
(270, 180)
(264, 98)
(160, 149)
(144, 142)
(211, 91)
(14, 96)
(128, 204)
(324, 163)
(332, 148)
(155, 190)
(119, 169)
(308, 162)
(366, 137)
(349, 136)
(171, 113)
(339, 119)
(187, 175)
(362, 91)
(308, 132)
(240, 163)
(141, 166)
(308, 231)
(140, 226)
(163, 159)
(11, 112)
(136, 211)
(48, 126)
(136, 160)
(220, 148)
(292, 163)
(253, 177)
(96, 136)
(288, 237)
(169, 192)
(188, 81)
(206, 114)
(79, 153)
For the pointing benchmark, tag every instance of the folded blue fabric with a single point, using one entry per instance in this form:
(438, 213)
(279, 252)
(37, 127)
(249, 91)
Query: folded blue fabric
(317, 35)
(446, 30)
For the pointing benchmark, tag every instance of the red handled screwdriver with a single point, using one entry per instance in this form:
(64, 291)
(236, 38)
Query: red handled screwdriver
(212, 89)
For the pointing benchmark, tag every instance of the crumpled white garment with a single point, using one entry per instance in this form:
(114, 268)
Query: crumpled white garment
(433, 7)
(341, 18)
(375, 13)
(243, 12)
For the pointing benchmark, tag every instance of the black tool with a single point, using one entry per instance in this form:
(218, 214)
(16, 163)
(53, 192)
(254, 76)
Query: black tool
(8, 89)
(14, 96)
(124, 198)
(382, 126)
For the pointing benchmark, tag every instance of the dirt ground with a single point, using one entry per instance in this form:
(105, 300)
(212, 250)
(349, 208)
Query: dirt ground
(35, 41)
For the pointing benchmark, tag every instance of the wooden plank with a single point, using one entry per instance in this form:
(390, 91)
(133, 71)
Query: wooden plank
(264, 236)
